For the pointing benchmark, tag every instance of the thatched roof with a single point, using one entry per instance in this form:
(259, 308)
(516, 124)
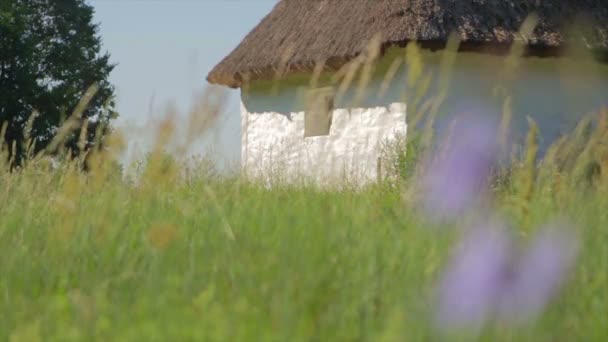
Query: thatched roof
(298, 34)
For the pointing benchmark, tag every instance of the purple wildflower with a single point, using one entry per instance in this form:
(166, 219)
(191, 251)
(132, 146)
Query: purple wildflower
(470, 286)
(538, 275)
(458, 176)
(486, 279)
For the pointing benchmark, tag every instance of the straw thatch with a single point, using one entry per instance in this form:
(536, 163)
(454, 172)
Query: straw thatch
(299, 34)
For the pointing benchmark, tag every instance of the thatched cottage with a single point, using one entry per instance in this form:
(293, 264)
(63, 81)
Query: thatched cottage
(324, 83)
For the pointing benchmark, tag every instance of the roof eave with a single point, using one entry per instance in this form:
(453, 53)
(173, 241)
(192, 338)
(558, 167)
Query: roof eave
(229, 81)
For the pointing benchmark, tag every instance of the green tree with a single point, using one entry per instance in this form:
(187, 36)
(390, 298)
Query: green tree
(50, 54)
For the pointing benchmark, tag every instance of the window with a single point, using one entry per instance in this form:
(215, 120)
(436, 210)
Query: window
(318, 116)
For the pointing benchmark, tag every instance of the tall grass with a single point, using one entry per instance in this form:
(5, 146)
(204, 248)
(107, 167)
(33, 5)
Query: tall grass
(92, 256)
(193, 255)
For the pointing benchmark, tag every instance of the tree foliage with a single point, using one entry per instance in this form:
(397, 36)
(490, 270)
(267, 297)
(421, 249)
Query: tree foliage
(50, 54)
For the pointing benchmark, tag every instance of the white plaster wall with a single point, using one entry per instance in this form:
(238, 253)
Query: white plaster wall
(274, 147)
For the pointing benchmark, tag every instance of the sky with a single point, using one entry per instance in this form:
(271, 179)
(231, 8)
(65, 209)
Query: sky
(163, 50)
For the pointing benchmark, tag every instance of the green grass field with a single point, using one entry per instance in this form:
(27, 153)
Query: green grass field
(95, 257)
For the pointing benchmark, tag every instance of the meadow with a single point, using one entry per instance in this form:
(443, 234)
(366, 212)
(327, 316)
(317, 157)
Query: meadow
(169, 256)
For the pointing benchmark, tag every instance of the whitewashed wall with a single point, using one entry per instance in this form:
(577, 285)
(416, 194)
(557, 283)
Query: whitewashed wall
(555, 92)
(273, 145)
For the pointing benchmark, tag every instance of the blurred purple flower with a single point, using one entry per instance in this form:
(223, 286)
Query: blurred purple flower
(458, 176)
(486, 279)
(538, 274)
(469, 288)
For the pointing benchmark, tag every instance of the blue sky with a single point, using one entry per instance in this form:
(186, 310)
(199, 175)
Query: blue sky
(164, 49)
